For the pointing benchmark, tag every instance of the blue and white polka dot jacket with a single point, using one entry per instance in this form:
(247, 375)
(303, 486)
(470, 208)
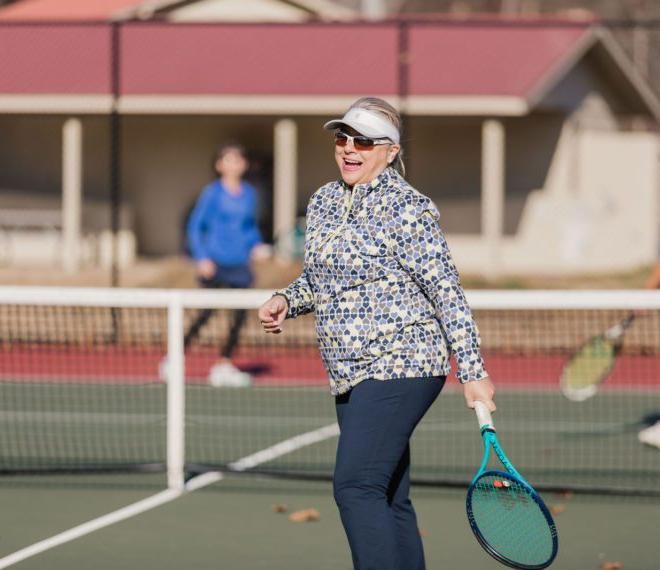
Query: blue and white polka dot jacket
(387, 296)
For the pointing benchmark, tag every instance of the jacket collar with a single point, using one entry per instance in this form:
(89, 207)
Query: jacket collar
(383, 178)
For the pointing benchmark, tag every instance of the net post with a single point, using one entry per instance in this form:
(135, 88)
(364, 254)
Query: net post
(175, 394)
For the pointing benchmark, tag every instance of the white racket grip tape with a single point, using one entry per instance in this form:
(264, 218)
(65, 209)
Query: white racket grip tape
(483, 414)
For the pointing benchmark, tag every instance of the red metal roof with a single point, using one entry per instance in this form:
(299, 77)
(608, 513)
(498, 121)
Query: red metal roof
(66, 59)
(258, 59)
(486, 60)
(445, 59)
(65, 9)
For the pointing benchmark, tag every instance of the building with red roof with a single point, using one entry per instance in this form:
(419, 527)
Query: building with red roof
(534, 138)
(292, 11)
(66, 10)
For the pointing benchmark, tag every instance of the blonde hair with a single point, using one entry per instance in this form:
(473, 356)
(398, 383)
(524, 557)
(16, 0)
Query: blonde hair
(383, 108)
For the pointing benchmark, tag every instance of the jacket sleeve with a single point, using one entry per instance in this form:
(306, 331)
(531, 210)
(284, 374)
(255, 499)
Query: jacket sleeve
(198, 225)
(254, 236)
(420, 247)
(299, 296)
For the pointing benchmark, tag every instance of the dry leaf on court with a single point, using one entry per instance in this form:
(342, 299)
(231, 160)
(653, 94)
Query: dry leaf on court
(280, 508)
(557, 509)
(305, 515)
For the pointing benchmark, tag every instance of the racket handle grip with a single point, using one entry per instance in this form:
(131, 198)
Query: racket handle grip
(483, 415)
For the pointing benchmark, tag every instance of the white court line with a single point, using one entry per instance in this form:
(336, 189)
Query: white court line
(248, 462)
(286, 446)
(203, 480)
(90, 526)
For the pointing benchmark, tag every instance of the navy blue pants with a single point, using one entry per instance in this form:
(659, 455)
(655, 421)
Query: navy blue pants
(372, 472)
(226, 277)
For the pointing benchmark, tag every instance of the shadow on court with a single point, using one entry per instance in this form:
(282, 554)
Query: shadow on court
(232, 525)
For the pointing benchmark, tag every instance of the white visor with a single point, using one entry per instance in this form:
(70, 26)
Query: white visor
(367, 123)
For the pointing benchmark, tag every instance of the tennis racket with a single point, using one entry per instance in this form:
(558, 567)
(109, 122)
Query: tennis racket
(506, 514)
(592, 363)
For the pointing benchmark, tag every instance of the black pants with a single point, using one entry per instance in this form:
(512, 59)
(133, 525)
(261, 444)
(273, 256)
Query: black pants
(372, 473)
(225, 278)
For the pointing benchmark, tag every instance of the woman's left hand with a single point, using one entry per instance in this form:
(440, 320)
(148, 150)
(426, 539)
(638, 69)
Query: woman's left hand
(272, 314)
(482, 390)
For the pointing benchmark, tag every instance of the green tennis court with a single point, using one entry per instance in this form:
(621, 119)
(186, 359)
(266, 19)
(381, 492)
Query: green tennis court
(82, 404)
(231, 524)
(556, 443)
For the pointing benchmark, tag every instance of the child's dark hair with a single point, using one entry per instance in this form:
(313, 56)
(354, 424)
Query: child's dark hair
(224, 148)
(228, 147)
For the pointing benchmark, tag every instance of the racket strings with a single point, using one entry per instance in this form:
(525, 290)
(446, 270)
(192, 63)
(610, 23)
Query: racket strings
(511, 521)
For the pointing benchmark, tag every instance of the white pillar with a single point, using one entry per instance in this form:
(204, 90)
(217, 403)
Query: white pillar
(72, 169)
(285, 184)
(492, 192)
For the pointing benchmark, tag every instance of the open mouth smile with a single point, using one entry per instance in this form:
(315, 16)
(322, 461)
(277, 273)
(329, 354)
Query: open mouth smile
(351, 165)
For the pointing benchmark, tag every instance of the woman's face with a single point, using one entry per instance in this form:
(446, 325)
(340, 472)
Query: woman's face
(360, 166)
(232, 164)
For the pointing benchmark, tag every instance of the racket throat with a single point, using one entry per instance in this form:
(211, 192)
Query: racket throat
(485, 433)
(507, 464)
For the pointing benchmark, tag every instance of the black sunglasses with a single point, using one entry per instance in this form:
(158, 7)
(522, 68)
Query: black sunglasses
(360, 142)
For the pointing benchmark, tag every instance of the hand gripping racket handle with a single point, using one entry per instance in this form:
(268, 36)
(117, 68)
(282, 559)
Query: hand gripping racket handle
(483, 415)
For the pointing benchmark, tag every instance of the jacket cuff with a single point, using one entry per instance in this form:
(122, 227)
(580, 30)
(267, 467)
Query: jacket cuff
(471, 373)
(286, 298)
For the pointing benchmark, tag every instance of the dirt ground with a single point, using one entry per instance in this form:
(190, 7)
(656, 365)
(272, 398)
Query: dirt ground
(179, 272)
(162, 272)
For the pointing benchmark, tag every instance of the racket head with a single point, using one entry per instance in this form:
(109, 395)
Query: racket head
(587, 368)
(511, 521)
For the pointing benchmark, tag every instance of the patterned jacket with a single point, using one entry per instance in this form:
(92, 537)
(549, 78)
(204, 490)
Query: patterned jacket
(387, 296)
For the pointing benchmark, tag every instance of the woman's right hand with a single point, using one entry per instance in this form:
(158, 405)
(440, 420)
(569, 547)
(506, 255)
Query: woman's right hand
(482, 390)
(272, 314)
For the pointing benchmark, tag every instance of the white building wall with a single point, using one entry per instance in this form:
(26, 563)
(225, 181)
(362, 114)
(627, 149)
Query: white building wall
(619, 190)
(596, 208)
(604, 220)
(238, 11)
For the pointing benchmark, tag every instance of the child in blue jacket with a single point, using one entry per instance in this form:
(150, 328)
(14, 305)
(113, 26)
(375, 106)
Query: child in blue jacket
(223, 237)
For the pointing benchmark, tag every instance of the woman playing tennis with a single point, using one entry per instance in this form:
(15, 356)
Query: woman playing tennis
(389, 312)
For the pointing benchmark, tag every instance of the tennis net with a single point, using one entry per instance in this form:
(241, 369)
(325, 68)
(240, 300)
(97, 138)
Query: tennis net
(86, 384)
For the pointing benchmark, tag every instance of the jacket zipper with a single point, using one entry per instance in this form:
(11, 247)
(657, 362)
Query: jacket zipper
(349, 204)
